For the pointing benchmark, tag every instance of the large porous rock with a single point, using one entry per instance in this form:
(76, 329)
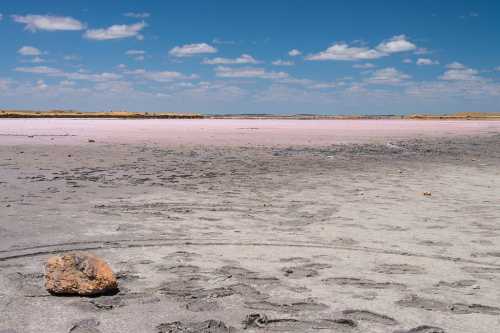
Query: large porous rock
(79, 273)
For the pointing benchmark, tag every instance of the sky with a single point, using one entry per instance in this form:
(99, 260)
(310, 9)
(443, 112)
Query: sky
(230, 57)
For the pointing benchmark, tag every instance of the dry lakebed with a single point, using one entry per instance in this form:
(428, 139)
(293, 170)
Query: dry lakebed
(254, 225)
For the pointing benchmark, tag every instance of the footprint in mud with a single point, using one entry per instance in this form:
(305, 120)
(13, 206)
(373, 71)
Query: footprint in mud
(195, 298)
(456, 284)
(30, 284)
(261, 321)
(85, 326)
(127, 276)
(365, 315)
(414, 301)
(108, 303)
(296, 260)
(434, 243)
(246, 276)
(494, 254)
(341, 241)
(207, 326)
(364, 283)
(182, 256)
(180, 269)
(423, 329)
(482, 272)
(388, 227)
(399, 269)
(190, 288)
(248, 292)
(199, 305)
(293, 307)
(303, 271)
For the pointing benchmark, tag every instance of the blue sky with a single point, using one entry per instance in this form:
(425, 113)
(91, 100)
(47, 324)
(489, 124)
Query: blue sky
(329, 57)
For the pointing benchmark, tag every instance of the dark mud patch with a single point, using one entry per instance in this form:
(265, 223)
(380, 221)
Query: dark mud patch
(85, 326)
(260, 321)
(306, 306)
(207, 326)
(364, 283)
(456, 284)
(399, 269)
(372, 317)
(246, 276)
(180, 269)
(414, 301)
(304, 271)
(423, 329)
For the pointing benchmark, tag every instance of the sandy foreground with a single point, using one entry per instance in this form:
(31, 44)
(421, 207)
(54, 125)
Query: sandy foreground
(321, 226)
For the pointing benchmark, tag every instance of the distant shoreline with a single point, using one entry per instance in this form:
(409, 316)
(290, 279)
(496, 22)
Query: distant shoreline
(161, 115)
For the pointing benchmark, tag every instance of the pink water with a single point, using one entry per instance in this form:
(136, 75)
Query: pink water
(233, 132)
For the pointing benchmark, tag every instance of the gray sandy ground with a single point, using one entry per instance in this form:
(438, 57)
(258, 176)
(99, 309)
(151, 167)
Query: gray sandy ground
(331, 239)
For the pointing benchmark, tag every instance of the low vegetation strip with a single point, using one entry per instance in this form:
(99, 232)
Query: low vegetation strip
(173, 115)
(110, 114)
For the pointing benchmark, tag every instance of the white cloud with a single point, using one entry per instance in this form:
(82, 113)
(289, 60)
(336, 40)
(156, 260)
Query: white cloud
(71, 57)
(454, 88)
(324, 85)
(40, 85)
(38, 70)
(455, 65)
(36, 60)
(4, 84)
(1, 16)
(116, 32)
(396, 44)
(407, 61)
(366, 65)
(98, 77)
(189, 50)
(137, 15)
(29, 51)
(470, 14)
(421, 51)
(342, 51)
(50, 71)
(280, 62)
(248, 72)
(294, 53)
(388, 75)
(135, 52)
(497, 69)
(243, 59)
(426, 62)
(67, 83)
(49, 23)
(458, 72)
(221, 41)
(161, 76)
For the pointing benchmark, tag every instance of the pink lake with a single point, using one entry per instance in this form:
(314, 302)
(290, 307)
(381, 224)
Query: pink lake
(232, 132)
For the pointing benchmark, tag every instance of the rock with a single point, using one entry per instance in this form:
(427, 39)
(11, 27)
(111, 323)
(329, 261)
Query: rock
(91, 140)
(427, 194)
(79, 273)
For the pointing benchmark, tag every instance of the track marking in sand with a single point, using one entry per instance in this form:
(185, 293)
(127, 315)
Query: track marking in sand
(165, 242)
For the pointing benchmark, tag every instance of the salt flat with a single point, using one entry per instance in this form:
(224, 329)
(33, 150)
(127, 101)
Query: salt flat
(232, 132)
(318, 225)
